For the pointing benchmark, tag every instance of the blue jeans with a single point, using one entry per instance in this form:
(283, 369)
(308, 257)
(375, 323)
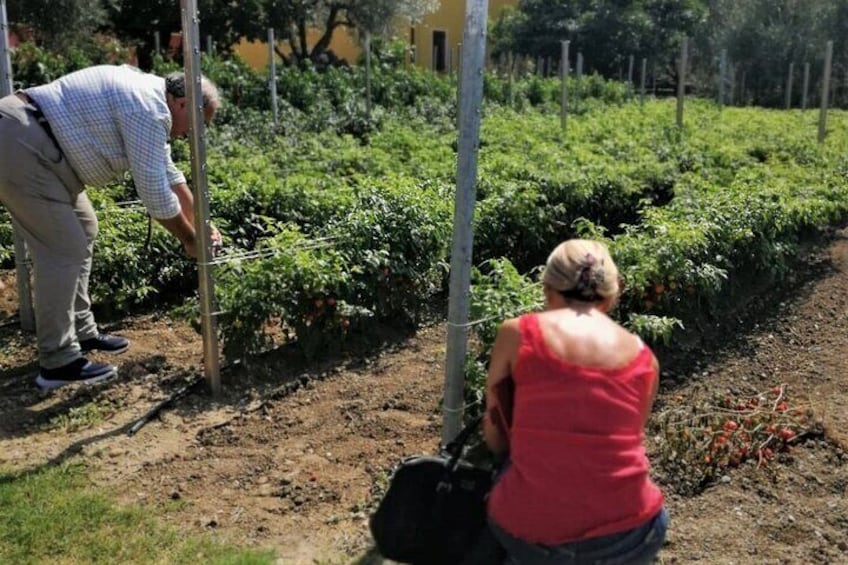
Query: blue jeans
(638, 546)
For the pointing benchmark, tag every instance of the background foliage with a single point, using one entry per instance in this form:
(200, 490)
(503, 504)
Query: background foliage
(762, 37)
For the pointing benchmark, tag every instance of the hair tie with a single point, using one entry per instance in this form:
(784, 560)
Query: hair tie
(584, 277)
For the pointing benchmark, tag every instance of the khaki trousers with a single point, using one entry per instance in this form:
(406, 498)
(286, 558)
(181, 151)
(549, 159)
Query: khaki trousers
(57, 221)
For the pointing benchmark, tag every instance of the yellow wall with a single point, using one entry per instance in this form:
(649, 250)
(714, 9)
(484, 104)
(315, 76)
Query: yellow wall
(255, 53)
(449, 19)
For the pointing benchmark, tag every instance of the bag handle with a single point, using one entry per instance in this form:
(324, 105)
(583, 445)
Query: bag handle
(454, 448)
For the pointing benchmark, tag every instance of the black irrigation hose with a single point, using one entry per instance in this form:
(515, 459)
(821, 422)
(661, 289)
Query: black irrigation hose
(175, 396)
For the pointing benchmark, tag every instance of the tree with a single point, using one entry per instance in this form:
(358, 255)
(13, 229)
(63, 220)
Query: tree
(293, 19)
(59, 24)
(225, 21)
(670, 22)
(607, 32)
(763, 37)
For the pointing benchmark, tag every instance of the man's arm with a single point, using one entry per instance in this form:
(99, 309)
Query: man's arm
(180, 227)
(186, 198)
(146, 144)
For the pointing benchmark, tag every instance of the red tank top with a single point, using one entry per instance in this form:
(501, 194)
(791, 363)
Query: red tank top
(578, 468)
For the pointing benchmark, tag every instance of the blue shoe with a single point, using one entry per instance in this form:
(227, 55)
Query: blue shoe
(78, 371)
(106, 343)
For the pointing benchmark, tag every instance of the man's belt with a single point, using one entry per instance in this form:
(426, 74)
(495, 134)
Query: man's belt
(38, 116)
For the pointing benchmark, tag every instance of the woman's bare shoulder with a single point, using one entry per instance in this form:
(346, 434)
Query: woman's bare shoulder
(595, 340)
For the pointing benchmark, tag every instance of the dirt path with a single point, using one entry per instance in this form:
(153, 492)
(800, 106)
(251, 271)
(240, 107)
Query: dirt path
(291, 456)
(795, 511)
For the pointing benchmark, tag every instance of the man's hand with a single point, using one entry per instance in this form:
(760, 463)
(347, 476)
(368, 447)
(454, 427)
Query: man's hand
(183, 231)
(215, 236)
(186, 198)
(190, 249)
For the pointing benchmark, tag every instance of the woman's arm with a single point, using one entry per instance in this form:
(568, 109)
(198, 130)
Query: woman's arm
(652, 391)
(504, 354)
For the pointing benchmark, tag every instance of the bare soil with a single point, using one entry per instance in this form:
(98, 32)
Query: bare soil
(293, 455)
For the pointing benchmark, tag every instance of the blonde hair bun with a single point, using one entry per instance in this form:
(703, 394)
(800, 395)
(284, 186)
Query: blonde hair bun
(582, 269)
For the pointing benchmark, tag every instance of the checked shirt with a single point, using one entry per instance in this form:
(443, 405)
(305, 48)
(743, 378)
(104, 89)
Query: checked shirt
(109, 120)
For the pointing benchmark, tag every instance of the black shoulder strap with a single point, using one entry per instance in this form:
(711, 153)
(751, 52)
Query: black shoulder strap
(454, 448)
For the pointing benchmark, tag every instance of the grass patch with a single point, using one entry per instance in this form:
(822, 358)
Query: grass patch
(52, 517)
(83, 416)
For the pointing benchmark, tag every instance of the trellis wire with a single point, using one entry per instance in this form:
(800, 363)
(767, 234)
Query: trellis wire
(828, 58)
(267, 252)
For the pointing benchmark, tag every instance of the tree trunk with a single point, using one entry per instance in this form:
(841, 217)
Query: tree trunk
(329, 27)
(303, 46)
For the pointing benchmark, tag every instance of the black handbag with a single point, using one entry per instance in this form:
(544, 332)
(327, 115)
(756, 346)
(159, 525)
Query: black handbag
(435, 507)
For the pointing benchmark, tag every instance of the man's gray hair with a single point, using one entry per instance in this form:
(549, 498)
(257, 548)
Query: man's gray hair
(175, 85)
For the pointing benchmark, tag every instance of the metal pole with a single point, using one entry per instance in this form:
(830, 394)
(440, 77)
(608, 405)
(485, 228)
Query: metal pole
(654, 78)
(272, 80)
(845, 96)
(511, 82)
(630, 86)
(459, 83)
(722, 76)
(643, 80)
(196, 134)
(473, 55)
(828, 59)
(789, 86)
(563, 115)
(157, 42)
(368, 73)
(806, 86)
(25, 311)
(681, 80)
(578, 91)
(731, 96)
(832, 98)
(209, 45)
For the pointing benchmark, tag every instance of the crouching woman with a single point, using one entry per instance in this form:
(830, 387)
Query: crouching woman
(575, 488)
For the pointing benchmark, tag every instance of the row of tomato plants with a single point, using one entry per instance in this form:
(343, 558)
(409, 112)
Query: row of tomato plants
(528, 189)
(352, 229)
(334, 97)
(747, 186)
(320, 104)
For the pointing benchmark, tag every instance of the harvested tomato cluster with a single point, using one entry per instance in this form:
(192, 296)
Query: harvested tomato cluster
(729, 430)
